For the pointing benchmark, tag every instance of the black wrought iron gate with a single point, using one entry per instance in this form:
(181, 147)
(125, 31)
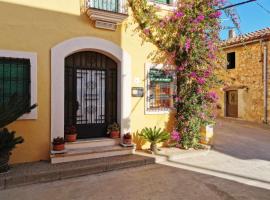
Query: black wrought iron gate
(90, 93)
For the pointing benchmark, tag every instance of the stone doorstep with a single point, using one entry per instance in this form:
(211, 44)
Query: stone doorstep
(90, 153)
(25, 174)
(95, 142)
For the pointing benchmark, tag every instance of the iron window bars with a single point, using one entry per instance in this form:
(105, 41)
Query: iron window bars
(116, 6)
(14, 81)
(161, 87)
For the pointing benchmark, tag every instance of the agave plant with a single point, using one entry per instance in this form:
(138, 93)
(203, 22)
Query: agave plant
(8, 142)
(154, 135)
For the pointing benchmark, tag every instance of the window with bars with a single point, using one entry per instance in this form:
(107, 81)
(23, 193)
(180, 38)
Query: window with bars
(161, 87)
(14, 80)
(163, 1)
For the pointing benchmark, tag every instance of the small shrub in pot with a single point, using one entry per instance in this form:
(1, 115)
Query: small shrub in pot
(70, 134)
(127, 139)
(58, 144)
(114, 130)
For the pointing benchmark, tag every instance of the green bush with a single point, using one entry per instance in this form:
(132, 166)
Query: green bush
(8, 140)
(154, 136)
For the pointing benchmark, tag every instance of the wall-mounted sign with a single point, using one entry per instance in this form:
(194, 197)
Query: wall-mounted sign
(157, 75)
(137, 92)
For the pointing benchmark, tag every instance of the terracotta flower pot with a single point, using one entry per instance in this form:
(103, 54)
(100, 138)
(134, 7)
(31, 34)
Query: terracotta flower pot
(127, 141)
(115, 134)
(71, 137)
(59, 147)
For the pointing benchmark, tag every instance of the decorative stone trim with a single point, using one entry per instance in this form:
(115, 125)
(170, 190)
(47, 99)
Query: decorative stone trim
(58, 55)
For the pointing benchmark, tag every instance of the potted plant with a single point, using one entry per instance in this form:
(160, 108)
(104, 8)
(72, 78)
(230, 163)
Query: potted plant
(154, 136)
(58, 144)
(114, 130)
(127, 139)
(8, 142)
(71, 134)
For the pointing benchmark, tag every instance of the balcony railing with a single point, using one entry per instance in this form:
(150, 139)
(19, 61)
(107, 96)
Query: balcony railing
(115, 6)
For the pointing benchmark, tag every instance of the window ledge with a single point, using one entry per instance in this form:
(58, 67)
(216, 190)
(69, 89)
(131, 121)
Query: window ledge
(153, 112)
(101, 17)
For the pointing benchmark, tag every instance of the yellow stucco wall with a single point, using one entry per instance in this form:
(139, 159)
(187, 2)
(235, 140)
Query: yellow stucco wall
(37, 26)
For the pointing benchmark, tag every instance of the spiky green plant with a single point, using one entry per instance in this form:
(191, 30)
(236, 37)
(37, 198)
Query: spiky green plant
(8, 141)
(13, 109)
(154, 135)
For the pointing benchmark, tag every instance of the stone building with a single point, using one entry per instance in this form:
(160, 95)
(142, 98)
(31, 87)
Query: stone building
(245, 93)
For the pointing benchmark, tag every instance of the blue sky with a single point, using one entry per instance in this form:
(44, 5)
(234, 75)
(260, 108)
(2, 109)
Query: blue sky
(252, 17)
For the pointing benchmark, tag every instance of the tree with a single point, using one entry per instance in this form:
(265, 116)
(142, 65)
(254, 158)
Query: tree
(187, 39)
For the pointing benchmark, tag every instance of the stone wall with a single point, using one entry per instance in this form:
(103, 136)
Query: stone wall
(247, 78)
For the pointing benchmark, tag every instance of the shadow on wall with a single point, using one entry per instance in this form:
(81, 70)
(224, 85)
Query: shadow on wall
(138, 140)
(170, 124)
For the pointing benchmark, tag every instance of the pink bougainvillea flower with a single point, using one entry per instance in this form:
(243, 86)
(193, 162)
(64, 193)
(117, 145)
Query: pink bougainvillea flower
(215, 14)
(187, 45)
(199, 90)
(179, 14)
(175, 135)
(193, 75)
(146, 31)
(200, 18)
(212, 96)
(200, 80)
(181, 68)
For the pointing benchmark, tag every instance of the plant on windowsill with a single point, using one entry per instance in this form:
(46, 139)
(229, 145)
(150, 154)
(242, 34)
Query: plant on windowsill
(114, 130)
(8, 142)
(127, 139)
(154, 136)
(70, 134)
(58, 144)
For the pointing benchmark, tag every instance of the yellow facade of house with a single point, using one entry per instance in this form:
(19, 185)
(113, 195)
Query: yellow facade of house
(44, 27)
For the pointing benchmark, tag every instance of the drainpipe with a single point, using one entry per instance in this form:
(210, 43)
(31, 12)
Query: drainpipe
(265, 69)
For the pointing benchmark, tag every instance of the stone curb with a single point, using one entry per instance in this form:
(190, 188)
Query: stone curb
(17, 180)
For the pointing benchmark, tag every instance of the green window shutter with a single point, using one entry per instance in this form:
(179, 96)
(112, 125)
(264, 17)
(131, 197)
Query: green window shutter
(14, 81)
(164, 1)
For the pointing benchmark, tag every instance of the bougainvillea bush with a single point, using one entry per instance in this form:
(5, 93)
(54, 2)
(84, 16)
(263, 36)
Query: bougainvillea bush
(186, 38)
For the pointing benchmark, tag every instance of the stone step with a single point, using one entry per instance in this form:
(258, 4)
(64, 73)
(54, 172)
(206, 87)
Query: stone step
(90, 153)
(95, 142)
(44, 171)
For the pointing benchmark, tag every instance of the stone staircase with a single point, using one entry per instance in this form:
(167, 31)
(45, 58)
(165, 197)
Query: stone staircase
(90, 149)
(43, 171)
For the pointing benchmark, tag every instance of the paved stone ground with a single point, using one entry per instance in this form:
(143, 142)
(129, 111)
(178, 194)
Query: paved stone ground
(152, 182)
(241, 152)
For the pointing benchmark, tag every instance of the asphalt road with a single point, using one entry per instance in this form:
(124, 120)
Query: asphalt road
(152, 182)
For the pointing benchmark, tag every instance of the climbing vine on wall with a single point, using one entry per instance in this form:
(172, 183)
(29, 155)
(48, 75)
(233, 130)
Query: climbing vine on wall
(186, 38)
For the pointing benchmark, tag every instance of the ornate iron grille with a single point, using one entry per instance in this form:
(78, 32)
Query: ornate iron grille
(14, 81)
(90, 93)
(117, 6)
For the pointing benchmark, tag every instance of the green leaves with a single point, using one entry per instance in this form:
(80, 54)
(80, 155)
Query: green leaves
(188, 39)
(154, 135)
(8, 140)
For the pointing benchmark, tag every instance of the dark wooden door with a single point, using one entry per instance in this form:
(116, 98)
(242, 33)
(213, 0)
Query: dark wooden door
(90, 93)
(232, 103)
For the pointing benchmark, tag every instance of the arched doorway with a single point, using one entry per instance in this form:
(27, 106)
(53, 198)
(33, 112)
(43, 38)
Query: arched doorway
(90, 93)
